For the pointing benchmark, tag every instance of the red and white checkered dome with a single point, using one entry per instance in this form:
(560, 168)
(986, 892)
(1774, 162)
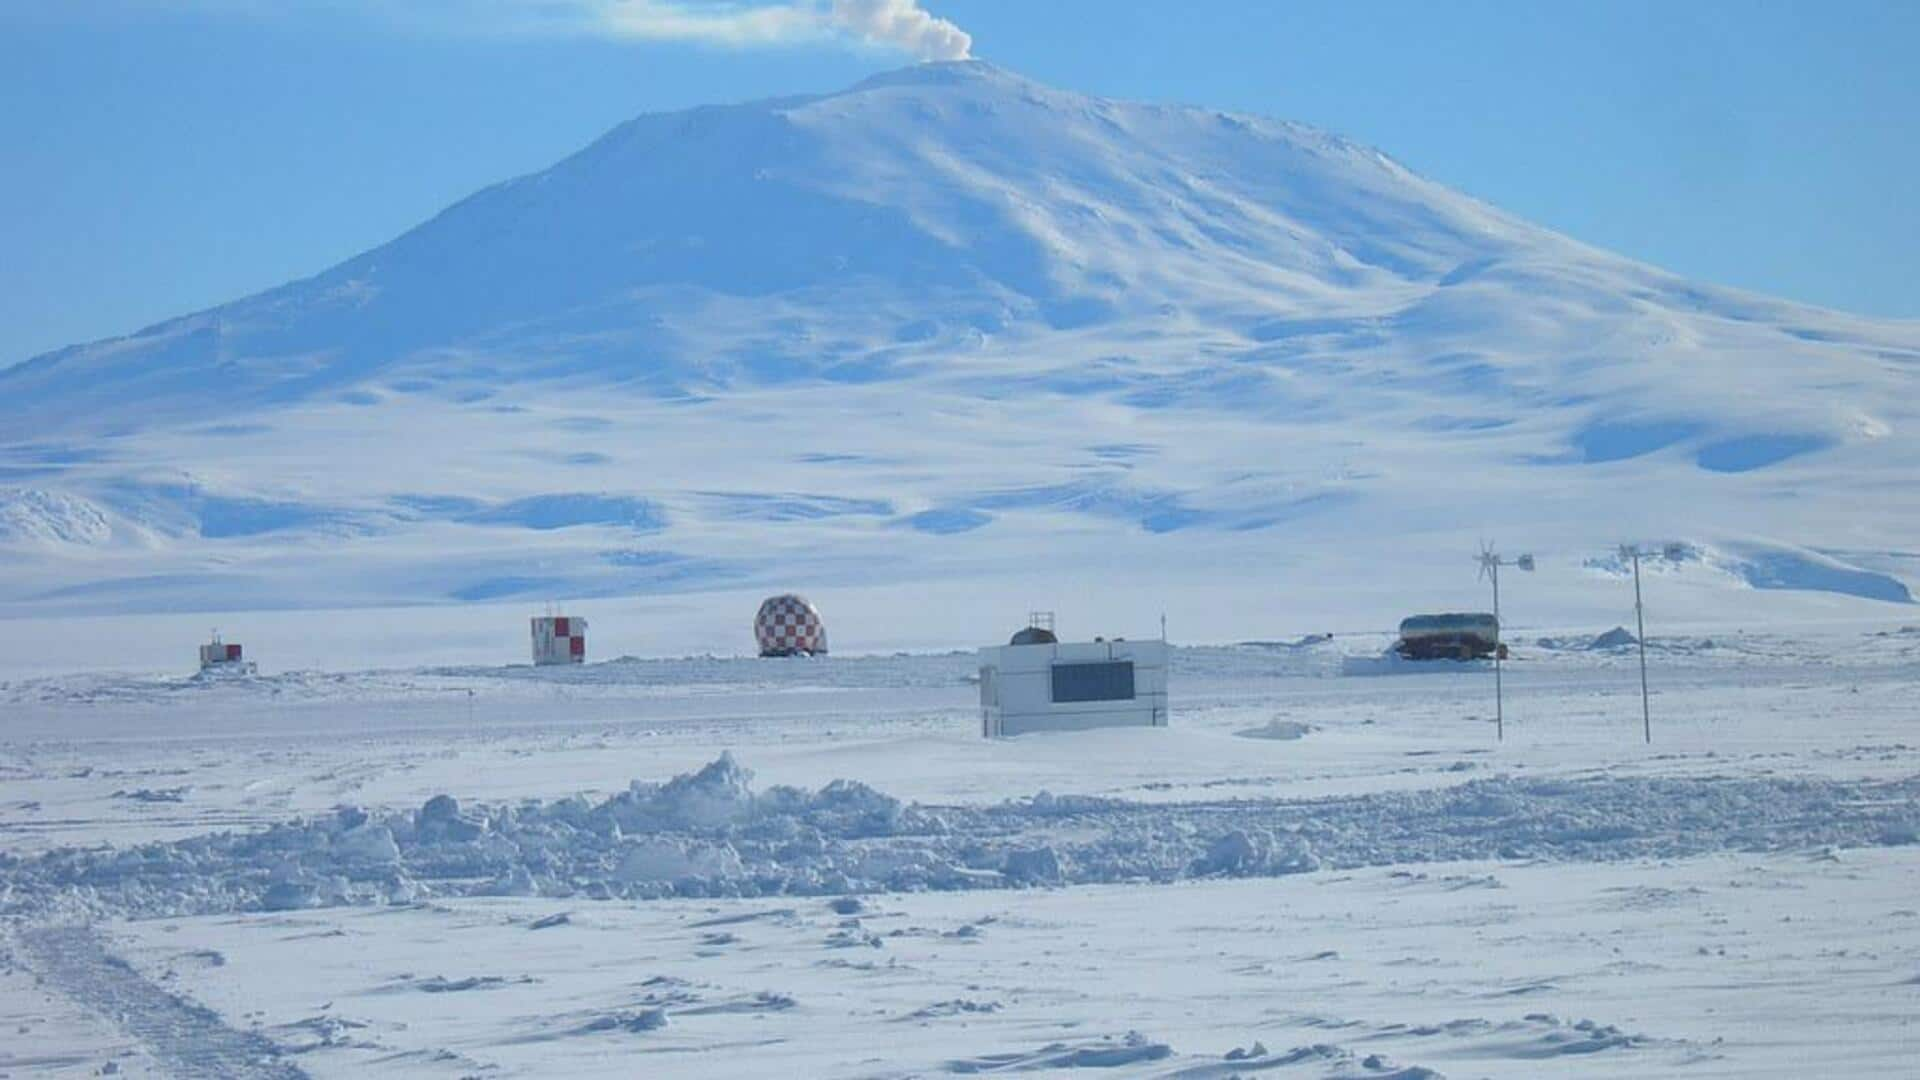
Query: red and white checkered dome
(787, 626)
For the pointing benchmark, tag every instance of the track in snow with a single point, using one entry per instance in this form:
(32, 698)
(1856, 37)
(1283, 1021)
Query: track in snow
(189, 1039)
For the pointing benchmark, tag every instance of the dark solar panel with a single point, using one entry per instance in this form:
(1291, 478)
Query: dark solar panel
(1106, 681)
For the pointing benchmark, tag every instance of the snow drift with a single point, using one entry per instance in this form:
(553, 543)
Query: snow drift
(708, 833)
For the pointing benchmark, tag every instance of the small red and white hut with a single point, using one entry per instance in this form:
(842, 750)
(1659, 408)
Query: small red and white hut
(559, 639)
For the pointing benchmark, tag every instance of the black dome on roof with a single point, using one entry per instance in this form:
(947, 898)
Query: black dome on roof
(1034, 635)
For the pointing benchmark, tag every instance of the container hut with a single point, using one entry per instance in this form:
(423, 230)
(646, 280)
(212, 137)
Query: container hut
(559, 639)
(1036, 682)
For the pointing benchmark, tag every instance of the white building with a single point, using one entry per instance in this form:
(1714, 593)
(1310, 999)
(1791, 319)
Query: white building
(558, 639)
(1070, 686)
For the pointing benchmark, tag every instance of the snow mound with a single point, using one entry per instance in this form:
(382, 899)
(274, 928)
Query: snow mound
(1390, 662)
(707, 833)
(1770, 567)
(719, 794)
(1617, 638)
(1131, 1049)
(1278, 729)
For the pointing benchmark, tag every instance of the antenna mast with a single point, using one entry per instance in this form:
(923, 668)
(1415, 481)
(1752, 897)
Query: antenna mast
(1633, 554)
(1490, 564)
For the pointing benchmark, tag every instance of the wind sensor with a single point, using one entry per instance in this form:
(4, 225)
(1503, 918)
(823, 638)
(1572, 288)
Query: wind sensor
(1490, 563)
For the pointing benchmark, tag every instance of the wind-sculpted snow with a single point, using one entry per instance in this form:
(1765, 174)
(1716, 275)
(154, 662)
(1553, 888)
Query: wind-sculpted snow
(710, 834)
(1770, 566)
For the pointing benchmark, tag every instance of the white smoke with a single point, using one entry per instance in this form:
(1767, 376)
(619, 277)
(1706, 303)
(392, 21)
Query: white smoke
(894, 24)
(904, 25)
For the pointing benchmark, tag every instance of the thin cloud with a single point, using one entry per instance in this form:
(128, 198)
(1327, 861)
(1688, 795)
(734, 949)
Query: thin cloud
(896, 24)
(900, 25)
(715, 23)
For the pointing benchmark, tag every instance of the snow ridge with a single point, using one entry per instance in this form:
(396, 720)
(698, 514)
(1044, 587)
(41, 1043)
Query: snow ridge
(708, 833)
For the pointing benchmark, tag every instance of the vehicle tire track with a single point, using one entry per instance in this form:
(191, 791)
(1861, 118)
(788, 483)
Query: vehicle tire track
(185, 1037)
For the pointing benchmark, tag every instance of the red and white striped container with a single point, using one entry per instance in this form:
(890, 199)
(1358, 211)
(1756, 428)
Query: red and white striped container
(559, 639)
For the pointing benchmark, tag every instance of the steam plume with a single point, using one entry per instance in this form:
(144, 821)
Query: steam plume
(896, 24)
(904, 25)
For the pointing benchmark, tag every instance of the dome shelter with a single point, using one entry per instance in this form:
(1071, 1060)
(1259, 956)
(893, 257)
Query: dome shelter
(788, 625)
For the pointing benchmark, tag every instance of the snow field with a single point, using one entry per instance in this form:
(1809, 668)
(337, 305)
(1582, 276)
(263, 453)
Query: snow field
(128, 759)
(1639, 969)
(1311, 873)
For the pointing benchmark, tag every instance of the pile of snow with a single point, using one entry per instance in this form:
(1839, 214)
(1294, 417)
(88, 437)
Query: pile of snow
(1617, 638)
(709, 833)
(1278, 729)
(1390, 662)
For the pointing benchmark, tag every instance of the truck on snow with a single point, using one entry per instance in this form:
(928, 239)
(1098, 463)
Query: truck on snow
(1450, 636)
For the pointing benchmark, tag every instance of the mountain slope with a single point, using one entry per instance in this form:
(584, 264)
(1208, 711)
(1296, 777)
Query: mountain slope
(1005, 204)
(956, 317)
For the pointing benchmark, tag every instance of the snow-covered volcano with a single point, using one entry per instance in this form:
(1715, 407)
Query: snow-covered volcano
(912, 220)
(952, 325)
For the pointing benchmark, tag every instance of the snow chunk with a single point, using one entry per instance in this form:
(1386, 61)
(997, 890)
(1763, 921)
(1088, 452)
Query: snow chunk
(1283, 730)
(719, 794)
(1241, 853)
(367, 844)
(669, 859)
(1036, 866)
(1617, 638)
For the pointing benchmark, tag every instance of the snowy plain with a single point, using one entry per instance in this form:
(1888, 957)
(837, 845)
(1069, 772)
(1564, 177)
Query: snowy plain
(1327, 866)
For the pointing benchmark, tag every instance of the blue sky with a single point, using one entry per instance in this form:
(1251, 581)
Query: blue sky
(166, 155)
